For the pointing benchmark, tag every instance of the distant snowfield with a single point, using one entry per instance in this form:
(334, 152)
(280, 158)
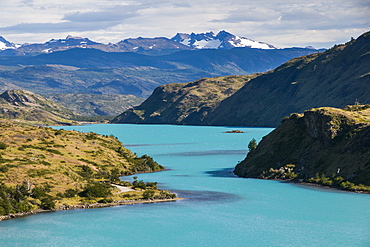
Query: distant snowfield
(250, 43)
(3, 46)
(211, 41)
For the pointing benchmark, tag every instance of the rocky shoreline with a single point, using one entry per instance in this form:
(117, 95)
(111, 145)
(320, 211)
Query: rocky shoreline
(87, 206)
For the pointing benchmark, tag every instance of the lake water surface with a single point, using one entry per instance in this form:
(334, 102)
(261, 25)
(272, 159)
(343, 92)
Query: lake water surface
(219, 210)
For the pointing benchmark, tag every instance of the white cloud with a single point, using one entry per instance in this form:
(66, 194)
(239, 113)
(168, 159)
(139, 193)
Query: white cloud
(282, 23)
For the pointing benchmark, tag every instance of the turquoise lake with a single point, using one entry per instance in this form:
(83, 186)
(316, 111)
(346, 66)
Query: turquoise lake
(219, 209)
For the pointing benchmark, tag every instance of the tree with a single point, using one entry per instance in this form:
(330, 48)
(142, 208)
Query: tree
(96, 190)
(252, 145)
(3, 145)
(148, 194)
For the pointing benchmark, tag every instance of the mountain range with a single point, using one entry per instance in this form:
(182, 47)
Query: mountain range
(336, 77)
(93, 71)
(161, 45)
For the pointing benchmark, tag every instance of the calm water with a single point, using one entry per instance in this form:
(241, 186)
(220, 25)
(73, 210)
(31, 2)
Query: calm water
(219, 209)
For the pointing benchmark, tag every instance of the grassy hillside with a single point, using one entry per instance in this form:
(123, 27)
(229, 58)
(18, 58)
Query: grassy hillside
(28, 107)
(185, 103)
(337, 77)
(324, 145)
(47, 168)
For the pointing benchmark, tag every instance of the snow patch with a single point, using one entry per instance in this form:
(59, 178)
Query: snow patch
(213, 44)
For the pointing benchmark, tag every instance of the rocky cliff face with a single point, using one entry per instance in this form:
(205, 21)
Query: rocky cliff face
(322, 140)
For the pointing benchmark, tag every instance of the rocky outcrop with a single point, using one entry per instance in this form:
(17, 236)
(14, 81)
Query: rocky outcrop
(322, 140)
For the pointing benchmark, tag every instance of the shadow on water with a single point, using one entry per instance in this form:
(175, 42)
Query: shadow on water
(224, 173)
(206, 153)
(206, 196)
(160, 144)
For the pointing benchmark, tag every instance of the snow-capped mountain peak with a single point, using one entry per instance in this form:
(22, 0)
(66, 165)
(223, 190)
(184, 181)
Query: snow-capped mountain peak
(71, 41)
(4, 44)
(223, 40)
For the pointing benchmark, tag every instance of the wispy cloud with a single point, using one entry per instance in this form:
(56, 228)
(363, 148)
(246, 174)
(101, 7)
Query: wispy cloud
(281, 23)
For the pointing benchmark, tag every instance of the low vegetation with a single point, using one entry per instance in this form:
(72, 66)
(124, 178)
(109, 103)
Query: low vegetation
(289, 172)
(45, 168)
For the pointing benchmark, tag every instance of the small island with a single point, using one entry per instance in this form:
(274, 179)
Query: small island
(234, 131)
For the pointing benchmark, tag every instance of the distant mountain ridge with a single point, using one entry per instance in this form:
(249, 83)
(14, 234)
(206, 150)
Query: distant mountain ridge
(181, 41)
(86, 70)
(223, 40)
(337, 77)
(4, 44)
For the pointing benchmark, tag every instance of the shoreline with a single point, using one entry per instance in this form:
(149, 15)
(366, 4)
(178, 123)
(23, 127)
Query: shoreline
(87, 206)
(323, 187)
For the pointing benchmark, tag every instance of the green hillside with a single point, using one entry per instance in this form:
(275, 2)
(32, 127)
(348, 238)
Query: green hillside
(329, 146)
(186, 103)
(44, 168)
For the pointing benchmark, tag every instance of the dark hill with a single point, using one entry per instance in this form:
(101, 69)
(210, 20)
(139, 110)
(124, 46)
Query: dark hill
(327, 141)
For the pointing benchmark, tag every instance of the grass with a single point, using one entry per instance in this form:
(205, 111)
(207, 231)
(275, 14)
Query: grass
(65, 160)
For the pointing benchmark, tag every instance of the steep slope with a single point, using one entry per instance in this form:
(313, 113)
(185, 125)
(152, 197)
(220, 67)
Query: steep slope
(330, 141)
(25, 106)
(337, 77)
(186, 103)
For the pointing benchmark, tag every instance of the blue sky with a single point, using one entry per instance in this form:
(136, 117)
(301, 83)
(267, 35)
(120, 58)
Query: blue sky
(283, 23)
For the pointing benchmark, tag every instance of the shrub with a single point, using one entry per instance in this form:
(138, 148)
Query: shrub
(3, 145)
(70, 193)
(96, 190)
(148, 194)
(47, 203)
(139, 184)
(252, 145)
(106, 200)
(347, 185)
(4, 169)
